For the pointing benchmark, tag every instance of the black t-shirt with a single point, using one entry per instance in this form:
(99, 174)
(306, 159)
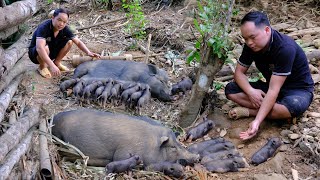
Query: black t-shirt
(45, 31)
(284, 57)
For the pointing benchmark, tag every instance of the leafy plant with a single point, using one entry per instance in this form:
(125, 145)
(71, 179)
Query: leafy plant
(212, 22)
(137, 21)
(256, 78)
(217, 85)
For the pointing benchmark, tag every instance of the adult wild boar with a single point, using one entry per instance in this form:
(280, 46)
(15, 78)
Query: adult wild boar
(149, 74)
(106, 137)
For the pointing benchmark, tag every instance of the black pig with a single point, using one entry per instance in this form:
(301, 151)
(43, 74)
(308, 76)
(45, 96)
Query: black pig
(123, 165)
(200, 146)
(68, 84)
(200, 130)
(266, 151)
(168, 168)
(183, 86)
(226, 165)
(217, 147)
(106, 137)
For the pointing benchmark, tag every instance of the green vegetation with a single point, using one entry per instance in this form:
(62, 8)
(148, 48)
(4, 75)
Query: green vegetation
(212, 22)
(135, 15)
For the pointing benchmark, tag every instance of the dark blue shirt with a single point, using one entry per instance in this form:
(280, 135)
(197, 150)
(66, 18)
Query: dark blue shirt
(284, 57)
(45, 31)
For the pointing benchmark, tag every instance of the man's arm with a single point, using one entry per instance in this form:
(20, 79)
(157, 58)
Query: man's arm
(268, 102)
(83, 47)
(255, 95)
(40, 47)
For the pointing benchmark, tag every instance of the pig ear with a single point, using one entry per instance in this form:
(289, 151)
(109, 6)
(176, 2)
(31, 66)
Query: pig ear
(152, 69)
(163, 140)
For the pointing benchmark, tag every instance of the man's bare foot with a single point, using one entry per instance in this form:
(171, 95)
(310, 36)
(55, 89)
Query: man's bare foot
(238, 112)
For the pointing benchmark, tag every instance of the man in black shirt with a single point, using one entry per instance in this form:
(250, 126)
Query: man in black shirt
(51, 42)
(288, 90)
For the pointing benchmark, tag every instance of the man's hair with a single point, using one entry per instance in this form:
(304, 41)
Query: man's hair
(259, 18)
(60, 10)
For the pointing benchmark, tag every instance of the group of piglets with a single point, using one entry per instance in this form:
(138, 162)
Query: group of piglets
(107, 90)
(218, 154)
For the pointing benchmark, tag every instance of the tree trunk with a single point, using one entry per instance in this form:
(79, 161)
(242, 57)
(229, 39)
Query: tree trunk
(11, 55)
(17, 131)
(6, 96)
(16, 13)
(20, 67)
(15, 155)
(209, 66)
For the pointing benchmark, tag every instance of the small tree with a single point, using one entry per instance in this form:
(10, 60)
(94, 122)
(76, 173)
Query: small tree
(212, 47)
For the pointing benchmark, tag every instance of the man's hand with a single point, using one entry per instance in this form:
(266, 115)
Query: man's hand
(252, 131)
(91, 54)
(54, 70)
(256, 96)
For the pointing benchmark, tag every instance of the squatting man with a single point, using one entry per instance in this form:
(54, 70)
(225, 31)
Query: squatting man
(288, 90)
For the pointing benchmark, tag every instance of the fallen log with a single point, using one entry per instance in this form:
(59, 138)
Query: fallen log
(17, 131)
(313, 54)
(16, 13)
(7, 94)
(14, 156)
(2, 3)
(8, 32)
(310, 31)
(45, 163)
(11, 55)
(20, 67)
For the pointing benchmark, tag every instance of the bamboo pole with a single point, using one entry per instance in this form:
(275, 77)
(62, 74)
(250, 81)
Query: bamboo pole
(45, 163)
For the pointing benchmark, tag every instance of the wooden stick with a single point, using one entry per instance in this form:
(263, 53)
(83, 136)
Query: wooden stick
(14, 156)
(76, 60)
(45, 163)
(16, 132)
(6, 96)
(148, 49)
(224, 78)
(12, 117)
(102, 23)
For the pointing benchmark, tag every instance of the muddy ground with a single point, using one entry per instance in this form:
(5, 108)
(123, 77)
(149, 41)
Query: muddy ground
(174, 21)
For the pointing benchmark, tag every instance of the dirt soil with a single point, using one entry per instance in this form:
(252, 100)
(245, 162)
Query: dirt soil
(176, 32)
